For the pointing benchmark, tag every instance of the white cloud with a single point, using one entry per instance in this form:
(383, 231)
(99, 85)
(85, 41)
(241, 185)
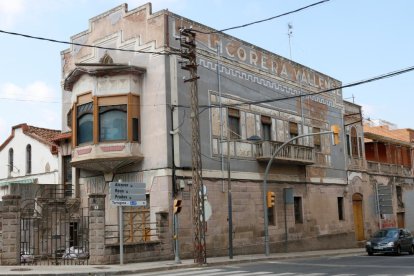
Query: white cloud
(36, 91)
(10, 11)
(36, 104)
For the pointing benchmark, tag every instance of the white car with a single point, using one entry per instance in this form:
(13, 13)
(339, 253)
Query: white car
(75, 252)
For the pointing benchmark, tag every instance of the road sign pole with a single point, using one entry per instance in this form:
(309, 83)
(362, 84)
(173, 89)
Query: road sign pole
(121, 236)
(177, 244)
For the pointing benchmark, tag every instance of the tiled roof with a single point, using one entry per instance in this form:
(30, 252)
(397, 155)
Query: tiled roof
(402, 135)
(63, 136)
(43, 135)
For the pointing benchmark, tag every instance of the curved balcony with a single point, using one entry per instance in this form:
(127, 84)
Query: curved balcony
(106, 157)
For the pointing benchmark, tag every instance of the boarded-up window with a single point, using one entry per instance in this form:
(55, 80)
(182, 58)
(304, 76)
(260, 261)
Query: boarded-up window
(234, 123)
(317, 139)
(266, 128)
(293, 131)
(348, 145)
(298, 210)
(67, 175)
(354, 142)
(341, 208)
(399, 196)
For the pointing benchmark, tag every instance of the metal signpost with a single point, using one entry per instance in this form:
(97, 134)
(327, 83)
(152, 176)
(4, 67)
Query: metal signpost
(126, 194)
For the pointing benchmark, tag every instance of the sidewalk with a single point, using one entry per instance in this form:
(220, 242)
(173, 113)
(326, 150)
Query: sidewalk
(164, 265)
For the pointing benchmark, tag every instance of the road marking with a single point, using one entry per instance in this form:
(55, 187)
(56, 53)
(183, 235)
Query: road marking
(237, 272)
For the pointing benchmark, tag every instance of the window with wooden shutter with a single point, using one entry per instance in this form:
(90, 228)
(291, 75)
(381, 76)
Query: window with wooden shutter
(234, 123)
(266, 128)
(317, 139)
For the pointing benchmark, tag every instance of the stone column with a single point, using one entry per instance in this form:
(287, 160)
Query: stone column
(97, 229)
(11, 230)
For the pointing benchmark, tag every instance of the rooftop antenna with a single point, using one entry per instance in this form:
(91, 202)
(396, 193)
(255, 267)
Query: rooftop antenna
(290, 33)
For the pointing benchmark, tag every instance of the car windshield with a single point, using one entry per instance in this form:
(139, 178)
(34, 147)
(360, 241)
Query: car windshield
(387, 233)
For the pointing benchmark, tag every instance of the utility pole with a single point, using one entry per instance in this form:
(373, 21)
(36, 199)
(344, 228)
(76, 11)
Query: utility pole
(189, 63)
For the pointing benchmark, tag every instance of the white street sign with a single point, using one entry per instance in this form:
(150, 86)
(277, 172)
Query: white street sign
(127, 193)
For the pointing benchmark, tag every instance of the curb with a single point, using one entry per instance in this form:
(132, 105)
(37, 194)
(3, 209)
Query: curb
(170, 265)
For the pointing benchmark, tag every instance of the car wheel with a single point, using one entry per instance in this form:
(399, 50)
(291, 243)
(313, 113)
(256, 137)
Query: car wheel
(411, 251)
(370, 253)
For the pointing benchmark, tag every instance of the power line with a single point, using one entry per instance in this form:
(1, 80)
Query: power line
(86, 45)
(264, 20)
(376, 78)
(154, 52)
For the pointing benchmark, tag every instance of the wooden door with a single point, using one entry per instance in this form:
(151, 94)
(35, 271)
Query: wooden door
(358, 217)
(401, 220)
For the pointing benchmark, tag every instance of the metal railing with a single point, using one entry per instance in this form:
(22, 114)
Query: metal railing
(290, 153)
(389, 168)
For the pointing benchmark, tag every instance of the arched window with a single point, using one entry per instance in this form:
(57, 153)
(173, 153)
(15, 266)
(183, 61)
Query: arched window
(11, 164)
(354, 142)
(28, 159)
(84, 123)
(112, 123)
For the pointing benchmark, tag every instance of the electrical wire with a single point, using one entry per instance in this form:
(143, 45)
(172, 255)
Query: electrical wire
(205, 156)
(263, 20)
(357, 83)
(87, 45)
(154, 52)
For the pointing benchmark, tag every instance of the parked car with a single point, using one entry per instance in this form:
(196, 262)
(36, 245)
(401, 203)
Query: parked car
(390, 240)
(75, 252)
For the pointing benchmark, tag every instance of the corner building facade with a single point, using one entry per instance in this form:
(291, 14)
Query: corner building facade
(129, 116)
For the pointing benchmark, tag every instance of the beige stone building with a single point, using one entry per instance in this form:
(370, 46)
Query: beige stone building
(128, 114)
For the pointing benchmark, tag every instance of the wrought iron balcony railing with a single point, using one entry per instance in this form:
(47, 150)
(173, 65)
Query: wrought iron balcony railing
(386, 168)
(291, 153)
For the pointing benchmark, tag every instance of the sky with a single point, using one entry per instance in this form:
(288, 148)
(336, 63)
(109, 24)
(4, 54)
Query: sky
(349, 40)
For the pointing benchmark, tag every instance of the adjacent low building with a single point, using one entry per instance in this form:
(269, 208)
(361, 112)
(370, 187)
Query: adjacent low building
(28, 157)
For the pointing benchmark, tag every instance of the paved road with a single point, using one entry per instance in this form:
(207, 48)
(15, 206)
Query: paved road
(379, 265)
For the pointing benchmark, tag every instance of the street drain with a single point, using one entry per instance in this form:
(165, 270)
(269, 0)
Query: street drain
(20, 269)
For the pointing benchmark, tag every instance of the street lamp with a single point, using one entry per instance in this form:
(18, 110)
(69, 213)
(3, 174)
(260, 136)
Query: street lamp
(334, 131)
(251, 139)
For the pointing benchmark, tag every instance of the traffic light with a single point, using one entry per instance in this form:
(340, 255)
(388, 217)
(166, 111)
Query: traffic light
(177, 206)
(270, 199)
(335, 134)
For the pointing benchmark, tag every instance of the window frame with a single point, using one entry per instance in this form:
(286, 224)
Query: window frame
(266, 123)
(11, 160)
(233, 118)
(67, 175)
(354, 142)
(317, 143)
(340, 204)
(293, 131)
(94, 104)
(85, 109)
(298, 209)
(28, 159)
(113, 108)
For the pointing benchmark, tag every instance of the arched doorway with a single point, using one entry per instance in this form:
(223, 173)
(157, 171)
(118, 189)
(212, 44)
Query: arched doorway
(358, 217)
